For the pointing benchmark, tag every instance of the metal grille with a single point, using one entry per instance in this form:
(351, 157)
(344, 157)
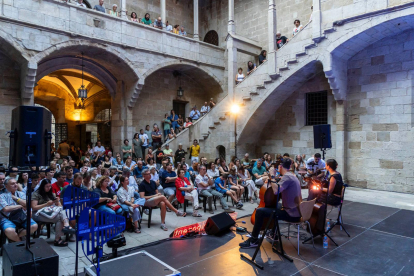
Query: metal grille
(212, 38)
(316, 108)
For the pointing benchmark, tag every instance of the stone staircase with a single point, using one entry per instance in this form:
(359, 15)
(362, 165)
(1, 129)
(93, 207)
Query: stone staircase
(219, 122)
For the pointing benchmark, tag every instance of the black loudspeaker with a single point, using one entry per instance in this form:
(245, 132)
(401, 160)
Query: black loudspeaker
(218, 223)
(30, 136)
(322, 137)
(17, 261)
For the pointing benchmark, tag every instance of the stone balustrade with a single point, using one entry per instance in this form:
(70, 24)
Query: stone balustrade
(86, 23)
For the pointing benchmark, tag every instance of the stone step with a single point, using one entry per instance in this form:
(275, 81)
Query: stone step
(254, 93)
(274, 76)
(200, 139)
(247, 98)
(269, 80)
(205, 135)
(260, 87)
(310, 46)
(329, 30)
(292, 61)
(217, 123)
(285, 68)
(301, 54)
(212, 127)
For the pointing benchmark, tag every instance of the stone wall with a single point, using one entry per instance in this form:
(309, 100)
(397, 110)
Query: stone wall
(380, 137)
(9, 99)
(286, 131)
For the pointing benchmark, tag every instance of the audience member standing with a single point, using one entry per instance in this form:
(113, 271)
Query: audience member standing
(173, 118)
(148, 132)
(250, 67)
(167, 126)
(297, 27)
(281, 40)
(205, 109)
(156, 136)
(64, 149)
(100, 7)
(239, 76)
(158, 23)
(195, 152)
(113, 12)
(194, 114)
(262, 57)
(146, 20)
(134, 17)
(136, 146)
(183, 32)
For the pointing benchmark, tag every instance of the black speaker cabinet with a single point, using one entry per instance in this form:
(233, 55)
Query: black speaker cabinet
(322, 137)
(219, 223)
(17, 261)
(30, 136)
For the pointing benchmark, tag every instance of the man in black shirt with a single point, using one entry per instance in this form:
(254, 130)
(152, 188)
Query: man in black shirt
(159, 155)
(179, 153)
(148, 190)
(280, 40)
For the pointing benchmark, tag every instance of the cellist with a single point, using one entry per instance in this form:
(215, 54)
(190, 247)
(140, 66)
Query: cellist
(288, 210)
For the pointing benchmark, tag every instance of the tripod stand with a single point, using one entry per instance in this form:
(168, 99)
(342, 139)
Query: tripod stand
(280, 251)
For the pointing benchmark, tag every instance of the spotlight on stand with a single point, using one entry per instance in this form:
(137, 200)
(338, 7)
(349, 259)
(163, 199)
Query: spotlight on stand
(115, 243)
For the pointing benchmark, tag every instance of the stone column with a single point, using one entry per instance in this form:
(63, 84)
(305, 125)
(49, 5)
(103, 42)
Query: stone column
(123, 9)
(231, 66)
(195, 36)
(340, 136)
(272, 29)
(316, 21)
(163, 12)
(231, 26)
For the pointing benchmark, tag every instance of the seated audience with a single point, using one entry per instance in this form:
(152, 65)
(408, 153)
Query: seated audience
(251, 67)
(44, 197)
(168, 178)
(59, 184)
(220, 184)
(213, 172)
(239, 76)
(180, 121)
(247, 182)
(259, 173)
(188, 122)
(172, 134)
(234, 184)
(22, 181)
(12, 201)
(128, 202)
(69, 174)
(186, 190)
(106, 195)
(137, 172)
(148, 190)
(262, 57)
(297, 27)
(223, 168)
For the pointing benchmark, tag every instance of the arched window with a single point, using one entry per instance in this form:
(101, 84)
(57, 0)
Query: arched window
(221, 152)
(212, 38)
(103, 115)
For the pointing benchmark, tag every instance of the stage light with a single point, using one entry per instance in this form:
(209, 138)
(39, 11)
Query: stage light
(235, 109)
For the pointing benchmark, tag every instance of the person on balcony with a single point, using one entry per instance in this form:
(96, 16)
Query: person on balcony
(281, 40)
(182, 32)
(176, 30)
(134, 17)
(297, 27)
(113, 12)
(188, 122)
(80, 3)
(173, 118)
(262, 57)
(100, 7)
(205, 109)
(168, 27)
(239, 76)
(158, 23)
(194, 114)
(146, 20)
(250, 67)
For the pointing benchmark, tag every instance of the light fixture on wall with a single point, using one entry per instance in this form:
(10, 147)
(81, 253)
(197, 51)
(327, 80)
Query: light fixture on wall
(82, 91)
(180, 91)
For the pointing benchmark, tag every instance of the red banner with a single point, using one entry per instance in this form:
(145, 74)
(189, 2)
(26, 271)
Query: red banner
(197, 228)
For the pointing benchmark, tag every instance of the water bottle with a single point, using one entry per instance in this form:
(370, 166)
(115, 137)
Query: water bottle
(325, 242)
(328, 226)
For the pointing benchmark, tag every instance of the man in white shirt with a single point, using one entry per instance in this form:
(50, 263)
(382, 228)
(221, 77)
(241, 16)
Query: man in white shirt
(204, 187)
(205, 109)
(316, 166)
(99, 151)
(168, 27)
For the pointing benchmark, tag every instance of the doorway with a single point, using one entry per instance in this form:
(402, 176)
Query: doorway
(221, 152)
(179, 108)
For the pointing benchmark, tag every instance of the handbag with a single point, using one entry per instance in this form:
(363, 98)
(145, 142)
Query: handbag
(49, 212)
(17, 217)
(113, 206)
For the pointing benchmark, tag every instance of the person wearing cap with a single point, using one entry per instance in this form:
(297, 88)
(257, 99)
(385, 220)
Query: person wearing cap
(194, 114)
(281, 40)
(180, 153)
(168, 153)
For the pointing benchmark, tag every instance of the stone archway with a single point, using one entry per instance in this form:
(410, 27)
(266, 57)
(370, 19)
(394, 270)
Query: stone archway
(212, 37)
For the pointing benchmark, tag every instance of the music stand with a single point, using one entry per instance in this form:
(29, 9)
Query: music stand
(75, 200)
(281, 252)
(102, 227)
